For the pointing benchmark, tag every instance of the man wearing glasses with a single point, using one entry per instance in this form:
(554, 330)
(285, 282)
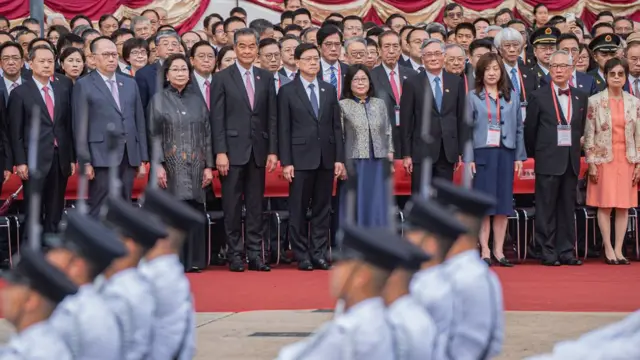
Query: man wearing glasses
(356, 50)
(453, 14)
(106, 98)
(583, 82)
(269, 55)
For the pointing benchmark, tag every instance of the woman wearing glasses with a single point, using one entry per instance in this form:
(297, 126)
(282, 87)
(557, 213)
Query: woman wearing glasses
(181, 118)
(612, 148)
(135, 52)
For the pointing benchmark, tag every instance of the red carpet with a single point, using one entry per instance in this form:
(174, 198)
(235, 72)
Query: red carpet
(530, 287)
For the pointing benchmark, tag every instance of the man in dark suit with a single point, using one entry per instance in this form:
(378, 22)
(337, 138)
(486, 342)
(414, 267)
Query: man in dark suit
(447, 91)
(11, 59)
(581, 81)
(331, 70)
(477, 48)
(147, 78)
(55, 157)
(388, 80)
(553, 137)
(543, 41)
(603, 47)
(109, 98)
(244, 124)
(312, 155)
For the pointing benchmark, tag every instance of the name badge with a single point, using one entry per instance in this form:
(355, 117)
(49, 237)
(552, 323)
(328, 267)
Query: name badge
(523, 110)
(564, 135)
(493, 135)
(397, 109)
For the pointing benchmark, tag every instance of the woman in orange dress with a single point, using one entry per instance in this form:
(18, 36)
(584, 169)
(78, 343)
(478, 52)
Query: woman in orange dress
(612, 147)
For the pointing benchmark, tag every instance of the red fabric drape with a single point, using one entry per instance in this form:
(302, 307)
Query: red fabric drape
(192, 21)
(14, 8)
(92, 8)
(557, 5)
(410, 6)
(372, 15)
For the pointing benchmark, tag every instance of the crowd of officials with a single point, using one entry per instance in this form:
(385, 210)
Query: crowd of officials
(242, 97)
(337, 102)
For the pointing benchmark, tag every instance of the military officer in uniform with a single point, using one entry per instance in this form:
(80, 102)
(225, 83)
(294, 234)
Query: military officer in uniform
(603, 48)
(34, 289)
(174, 323)
(84, 320)
(357, 280)
(412, 328)
(543, 41)
(128, 293)
(434, 229)
(478, 327)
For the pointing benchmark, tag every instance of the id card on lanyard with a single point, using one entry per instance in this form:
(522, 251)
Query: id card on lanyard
(564, 131)
(493, 131)
(523, 102)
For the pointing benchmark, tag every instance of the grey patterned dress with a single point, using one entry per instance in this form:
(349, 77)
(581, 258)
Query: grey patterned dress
(183, 120)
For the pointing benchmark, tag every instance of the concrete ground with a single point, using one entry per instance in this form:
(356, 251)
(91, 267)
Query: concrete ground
(245, 336)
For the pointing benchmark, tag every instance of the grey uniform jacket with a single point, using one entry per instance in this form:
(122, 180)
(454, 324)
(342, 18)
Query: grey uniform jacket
(38, 342)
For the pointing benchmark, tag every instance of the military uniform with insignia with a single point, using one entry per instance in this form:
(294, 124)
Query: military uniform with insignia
(603, 47)
(544, 39)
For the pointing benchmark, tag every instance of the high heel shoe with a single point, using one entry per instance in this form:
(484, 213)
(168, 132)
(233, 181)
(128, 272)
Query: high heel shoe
(611, 261)
(504, 262)
(487, 261)
(623, 261)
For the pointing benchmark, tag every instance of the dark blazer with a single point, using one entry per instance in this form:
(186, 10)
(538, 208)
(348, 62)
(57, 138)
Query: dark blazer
(93, 97)
(147, 80)
(538, 71)
(403, 62)
(528, 78)
(585, 83)
(343, 71)
(237, 129)
(541, 132)
(383, 91)
(5, 92)
(530, 58)
(601, 84)
(304, 141)
(6, 155)
(446, 126)
(22, 102)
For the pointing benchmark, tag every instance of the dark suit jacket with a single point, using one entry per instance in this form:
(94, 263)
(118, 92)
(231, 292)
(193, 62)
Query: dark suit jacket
(304, 141)
(5, 92)
(446, 126)
(601, 84)
(405, 63)
(528, 78)
(538, 71)
(22, 102)
(239, 130)
(92, 96)
(541, 132)
(6, 155)
(383, 91)
(585, 83)
(343, 71)
(147, 79)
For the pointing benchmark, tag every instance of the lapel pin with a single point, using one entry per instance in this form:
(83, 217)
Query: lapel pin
(257, 77)
(539, 74)
(404, 77)
(120, 84)
(579, 85)
(321, 89)
(446, 90)
(524, 76)
(577, 98)
(184, 113)
(598, 82)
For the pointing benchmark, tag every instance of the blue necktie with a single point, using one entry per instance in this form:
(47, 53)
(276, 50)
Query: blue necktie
(313, 99)
(514, 81)
(334, 78)
(438, 93)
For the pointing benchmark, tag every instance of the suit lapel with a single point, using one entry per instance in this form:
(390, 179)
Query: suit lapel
(383, 79)
(36, 94)
(302, 94)
(121, 90)
(100, 84)
(575, 103)
(57, 101)
(323, 99)
(237, 79)
(446, 92)
(260, 84)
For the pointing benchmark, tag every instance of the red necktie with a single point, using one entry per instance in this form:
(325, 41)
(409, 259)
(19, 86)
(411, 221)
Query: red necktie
(571, 81)
(207, 93)
(394, 86)
(49, 102)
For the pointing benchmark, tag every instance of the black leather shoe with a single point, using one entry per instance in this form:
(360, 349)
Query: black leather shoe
(571, 262)
(550, 262)
(504, 262)
(623, 261)
(305, 265)
(236, 265)
(487, 261)
(194, 270)
(321, 264)
(258, 265)
(273, 259)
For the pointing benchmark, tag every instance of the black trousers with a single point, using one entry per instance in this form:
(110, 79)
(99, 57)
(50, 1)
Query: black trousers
(555, 199)
(441, 168)
(99, 186)
(53, 189)
(248, 181)
(194, 251)
(310, 189)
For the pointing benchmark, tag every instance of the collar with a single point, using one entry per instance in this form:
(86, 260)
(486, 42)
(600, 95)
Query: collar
(405, 57)
(200, 80)
(105, 78)
(396, 69)
(632, 78)
(326, 67)
(431, 77)
(288, 72)
(557, 89)
(243, 71)
(40, 85)
(414, 64)
(9, 82)
(21, 341)
(509, 67)
(600, 74)
(306, 84)
(373, 304)
(544, 69)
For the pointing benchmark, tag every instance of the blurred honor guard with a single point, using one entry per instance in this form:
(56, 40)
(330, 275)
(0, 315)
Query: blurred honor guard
(174, 323)
(478, 328)
(412, 328)
(434, 229)
(127, 292)
(361, 333)
(543, 41)
(33, 290)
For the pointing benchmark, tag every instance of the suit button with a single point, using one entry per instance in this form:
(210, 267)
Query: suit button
(318, 139)
(504, 136)
(501, 122)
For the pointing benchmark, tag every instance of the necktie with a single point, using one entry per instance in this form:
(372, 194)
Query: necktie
(514, 81)
(313, 99)
(333, 79)
(207, 93)
(13, 86)
(564, 92)
(438, 93)
(394, 86)
(292, 76)
(421, 68)
(571, 81)
(636, 91)
(49, 102)
(114, 93)
(249, 87)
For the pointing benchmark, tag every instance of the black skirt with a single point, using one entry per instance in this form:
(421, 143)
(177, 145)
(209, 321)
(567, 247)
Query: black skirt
(194, 250)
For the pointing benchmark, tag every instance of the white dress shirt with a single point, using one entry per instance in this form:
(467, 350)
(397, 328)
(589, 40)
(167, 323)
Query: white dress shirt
(508, 68)
(416, 66)
(48, 86)
(563, 101)
(37, 342)
(8, 84)
(544, 69)
(316, 89)
(326, 71)
(243, 75)
(432, 82)
(290, 74)
(200, 81)
(123, 67)
(633, 86)
(396, 76)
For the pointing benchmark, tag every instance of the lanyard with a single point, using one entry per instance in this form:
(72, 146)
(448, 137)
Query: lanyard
(524, 92)
(555, 104)
(466, 84)
(486, 96)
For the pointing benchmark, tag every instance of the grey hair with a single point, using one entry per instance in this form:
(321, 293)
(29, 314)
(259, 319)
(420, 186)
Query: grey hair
(165, 34)
(454, 46)
(357, 39)
(436, 28)
(507, 34)
(55, 16)
(432, 41)
(492, 28)
(561, 52)
(245, 32)
(139, 20)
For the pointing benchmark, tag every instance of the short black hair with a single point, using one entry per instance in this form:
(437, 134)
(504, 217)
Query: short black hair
(567, 36)
(395, 16)
(278, 29)
(124, 18)
(288, 14)
(558, 19)
(302, 48)
(33, 50)
(480, 19)
(267, 42)
(292, 27)
(335, 14)
(385, 34)
(19, 28)
(302, 11)
(131, 44)
(326, 31)
(120, 32)
(289, 37)
(30, 20)
(66, 40)
(25, 32)
(5, 19)
(517, 21)
(34, 43)
(603, 14)
(13, 44)
(622, 18)
(166, 27)
(450, 7)
(537, 7)
(466, 25)
(194, 48)
(337, 24)
(479, 44)
(260, 25)
(91, 31)
(151, 11)
(352, 17)
(502, 12)
(95, 41)
(74, 19)
(375, 31)
(231, 20)
(207, 20)
(412, 31)
(601, 25)
(238, 10)
(348, 79)
(57, 28)
(104, 18)
(7, 34)
(70, 51)
(371, 42)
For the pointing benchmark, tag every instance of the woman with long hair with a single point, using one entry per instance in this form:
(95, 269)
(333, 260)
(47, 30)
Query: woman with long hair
(225, 57)
(498, 148)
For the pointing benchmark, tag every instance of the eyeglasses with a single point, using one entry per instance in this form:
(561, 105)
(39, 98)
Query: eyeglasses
(616, 74)
(560, 66)
(330, 45)
(634, 59)
(11, 58)
(179, 70)
(140, 52)
(455, 15)
(436, 54)
(358, 54)
(170, 44)
(272, 56)
(206, 56)
(361, 80)
(107, 55)
(310, 59)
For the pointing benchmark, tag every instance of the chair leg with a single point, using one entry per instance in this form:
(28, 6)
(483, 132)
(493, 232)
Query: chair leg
(278, 225)
(8, 223)
(209, 223)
